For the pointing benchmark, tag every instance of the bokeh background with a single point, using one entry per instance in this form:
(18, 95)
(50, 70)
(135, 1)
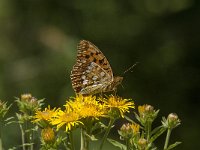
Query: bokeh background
(38, 40)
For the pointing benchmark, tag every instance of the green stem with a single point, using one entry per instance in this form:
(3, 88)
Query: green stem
(148, 130)
(65, 142)
(22, 135)
(84, 140)
(30, 130)
(128, 144)
(106, 133)
(1, 144)
(29, 135)
(167, 138)
(71, 141)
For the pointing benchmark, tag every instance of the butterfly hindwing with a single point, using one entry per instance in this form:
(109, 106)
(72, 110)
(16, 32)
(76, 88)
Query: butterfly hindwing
(95, 79)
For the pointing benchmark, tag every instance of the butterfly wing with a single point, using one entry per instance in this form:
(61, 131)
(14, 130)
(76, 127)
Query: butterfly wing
(92, 70)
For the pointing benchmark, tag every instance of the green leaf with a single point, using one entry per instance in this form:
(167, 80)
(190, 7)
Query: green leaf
(98, 128)
(129, 119)
(173, 145)
(117, 144)
(137, 117)
(156, 113)
(156, 130)
(9, 118)
(91, 137)
(157, 134)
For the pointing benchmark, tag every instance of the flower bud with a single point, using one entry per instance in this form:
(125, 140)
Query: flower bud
(48, 135)
(142, 143)
(28, 104)
(129, 130)
(173, 120)
(26, 97)
(148, 108)
(125, 131)
(147, 114)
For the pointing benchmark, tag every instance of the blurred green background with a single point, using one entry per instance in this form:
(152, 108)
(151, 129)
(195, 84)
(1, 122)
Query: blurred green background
(38, 40)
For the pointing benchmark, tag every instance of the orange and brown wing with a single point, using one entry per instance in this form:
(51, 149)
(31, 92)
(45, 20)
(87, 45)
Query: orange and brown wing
(88, 51)
(92, 69)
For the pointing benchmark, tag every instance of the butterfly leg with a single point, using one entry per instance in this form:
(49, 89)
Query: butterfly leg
(101, 94)
(115, 91)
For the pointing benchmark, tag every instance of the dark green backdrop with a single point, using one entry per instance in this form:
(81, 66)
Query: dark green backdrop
(38, 40)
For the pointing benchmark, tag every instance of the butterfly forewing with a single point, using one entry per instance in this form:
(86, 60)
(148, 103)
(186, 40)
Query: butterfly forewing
(89, 52)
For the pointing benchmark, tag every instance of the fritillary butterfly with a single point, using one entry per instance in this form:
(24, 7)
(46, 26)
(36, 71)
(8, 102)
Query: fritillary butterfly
(92, 72)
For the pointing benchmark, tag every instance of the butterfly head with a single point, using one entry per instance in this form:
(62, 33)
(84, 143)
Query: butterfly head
(117, 80)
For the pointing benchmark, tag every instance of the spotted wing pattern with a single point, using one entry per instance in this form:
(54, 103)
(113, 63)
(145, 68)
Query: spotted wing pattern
(92, 72)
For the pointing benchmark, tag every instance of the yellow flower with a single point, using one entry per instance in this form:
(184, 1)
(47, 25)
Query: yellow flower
(45, 115)
(69, 119)
(48, 134)
(92, 110)
(118, 103)
(86, 106)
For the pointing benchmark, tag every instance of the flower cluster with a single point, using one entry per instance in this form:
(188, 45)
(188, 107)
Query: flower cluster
(78, 110)
(92, 116)
(141, 136)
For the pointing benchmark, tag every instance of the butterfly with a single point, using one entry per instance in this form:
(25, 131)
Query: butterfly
(92, 72)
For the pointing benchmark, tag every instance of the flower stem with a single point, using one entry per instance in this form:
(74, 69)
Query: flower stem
(167, 138)
(29, 134)
(148, 130)
(106, 133)
(71, 141)
(1, 144)
(128, 144)
(22, 135)
(84, 140)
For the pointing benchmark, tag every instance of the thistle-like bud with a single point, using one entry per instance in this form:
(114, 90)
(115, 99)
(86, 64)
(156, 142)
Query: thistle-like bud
(142, 143)
(147, 114)
(173, 120)
(48, 135)
(26, 97)
(125, 131)
(28, 104)
(128, 131)
(145, 110)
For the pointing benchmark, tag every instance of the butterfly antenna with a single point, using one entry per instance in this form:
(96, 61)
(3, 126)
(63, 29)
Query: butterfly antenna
(130, 68)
